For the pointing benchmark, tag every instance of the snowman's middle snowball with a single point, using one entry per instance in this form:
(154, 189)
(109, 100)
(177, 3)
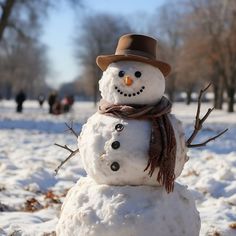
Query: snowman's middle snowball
(102, 133)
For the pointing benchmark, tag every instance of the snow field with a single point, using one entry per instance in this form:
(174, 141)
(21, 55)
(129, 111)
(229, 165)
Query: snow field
(31, 196)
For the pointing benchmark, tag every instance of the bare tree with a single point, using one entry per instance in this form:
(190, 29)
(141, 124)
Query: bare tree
(6, 10)
(21, 16)
(99, 35)
(23, 66)
(192, 67)
(217, 25)
(23, 60)
(190, 73)
(200, 44)
(165, 25)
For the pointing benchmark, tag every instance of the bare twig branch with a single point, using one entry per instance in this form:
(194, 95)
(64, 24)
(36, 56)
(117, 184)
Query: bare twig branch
(199, 103)
(199, 122)
(71, 129)
(72, 153)
(2, 6)
(208, 140)
(6, 11)
(65, 147)
(207, 114)
(19, 31)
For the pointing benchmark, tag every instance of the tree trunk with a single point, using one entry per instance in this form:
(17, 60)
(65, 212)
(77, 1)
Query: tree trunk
(8, 90)
(171, 95)
(218, 96)
(215, 91)
(6, 12)
(231, 93)
(170, 89)
(188, 97)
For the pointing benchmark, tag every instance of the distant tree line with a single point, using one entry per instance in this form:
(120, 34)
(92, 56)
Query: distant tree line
(23, 61)
(200, 40)
(196, 37)
(98, 35)
(23, 57)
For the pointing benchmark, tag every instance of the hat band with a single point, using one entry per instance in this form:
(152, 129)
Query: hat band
(134, 52)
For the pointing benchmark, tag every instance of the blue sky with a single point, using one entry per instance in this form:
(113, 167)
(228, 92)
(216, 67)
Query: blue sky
(60, 26)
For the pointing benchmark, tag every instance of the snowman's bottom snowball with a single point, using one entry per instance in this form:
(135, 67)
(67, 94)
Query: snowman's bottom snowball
(103, 210)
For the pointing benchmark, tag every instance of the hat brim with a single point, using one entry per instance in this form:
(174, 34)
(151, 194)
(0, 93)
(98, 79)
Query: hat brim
(104, 61)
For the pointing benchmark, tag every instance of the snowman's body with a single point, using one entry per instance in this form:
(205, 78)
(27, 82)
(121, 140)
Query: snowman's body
(107, 143)
(118, 197)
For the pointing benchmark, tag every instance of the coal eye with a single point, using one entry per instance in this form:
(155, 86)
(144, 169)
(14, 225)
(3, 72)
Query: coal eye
(137, 74)
(121, 73)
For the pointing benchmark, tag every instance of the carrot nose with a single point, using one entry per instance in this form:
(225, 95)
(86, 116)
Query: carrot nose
(128, 80)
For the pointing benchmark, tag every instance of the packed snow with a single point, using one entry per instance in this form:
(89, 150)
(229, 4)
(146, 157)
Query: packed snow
(127, 210)
(31, 195)
(98, 156)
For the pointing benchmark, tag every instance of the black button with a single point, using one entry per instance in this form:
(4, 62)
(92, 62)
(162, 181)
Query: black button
(115, 166)
(115, 145)
(119, 127)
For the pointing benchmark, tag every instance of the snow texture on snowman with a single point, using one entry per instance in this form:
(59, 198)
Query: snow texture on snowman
(132, 149)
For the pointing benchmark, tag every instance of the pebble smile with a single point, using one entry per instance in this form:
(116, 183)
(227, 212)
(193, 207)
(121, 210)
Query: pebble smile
(129, 94)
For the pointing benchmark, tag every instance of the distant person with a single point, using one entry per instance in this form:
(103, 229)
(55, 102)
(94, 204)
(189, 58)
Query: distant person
(57, 108)
(1, 98)
(67, 103)
(20, 98)
(41, 99)
(71, 100)
(52, 98)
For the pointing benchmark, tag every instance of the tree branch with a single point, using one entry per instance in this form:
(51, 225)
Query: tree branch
(2, 6)
(199, 122)
(18, 30)
(208, 140)
(72, 153)
(71, 129)
(7, 9)
(65, 147)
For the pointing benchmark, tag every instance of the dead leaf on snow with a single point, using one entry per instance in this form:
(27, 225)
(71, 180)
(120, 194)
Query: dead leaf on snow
(54, 198)
(32, 205)
(53, 233)
(191, 172)
(232, 225)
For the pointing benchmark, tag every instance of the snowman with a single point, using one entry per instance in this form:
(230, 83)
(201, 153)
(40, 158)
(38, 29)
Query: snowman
(132, 149)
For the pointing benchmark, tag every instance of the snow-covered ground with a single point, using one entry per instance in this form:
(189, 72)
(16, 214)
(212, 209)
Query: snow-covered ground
(31, 195)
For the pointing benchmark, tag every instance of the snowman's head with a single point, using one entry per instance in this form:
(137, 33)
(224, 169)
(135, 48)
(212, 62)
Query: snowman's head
(132, 82)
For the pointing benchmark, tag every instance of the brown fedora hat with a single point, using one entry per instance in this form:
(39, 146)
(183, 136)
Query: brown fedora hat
(135, 47)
